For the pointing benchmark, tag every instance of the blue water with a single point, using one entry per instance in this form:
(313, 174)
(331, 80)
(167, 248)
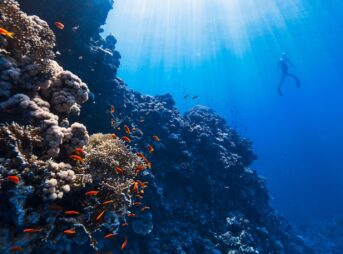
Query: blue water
(226, 52)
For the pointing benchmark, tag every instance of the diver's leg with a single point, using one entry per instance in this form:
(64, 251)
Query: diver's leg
(280, 84)
(295, 78)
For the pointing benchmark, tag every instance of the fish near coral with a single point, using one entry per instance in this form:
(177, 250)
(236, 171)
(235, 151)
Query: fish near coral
(32, 230)
(145, 208)
(6, 33)
(91, 193)
(16, 249)
(156, 138)
(135, 187)
(127, 129)
(114, 136)
(126, 139)
(71, 213)
(119, 171)
(140, 168)
(76, 158)
(112, 109)
(79, 151)
(13, 179)
(107, 202)
(109, 236)
(131, 215)
(100, 215)
(150, 148)
(123, 246)
(59, 25)
(139, 196)
(69, 232)
(138, 203)
(125, 224)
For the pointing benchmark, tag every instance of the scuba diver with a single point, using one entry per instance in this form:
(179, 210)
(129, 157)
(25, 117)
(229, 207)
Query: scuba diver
(284, 63)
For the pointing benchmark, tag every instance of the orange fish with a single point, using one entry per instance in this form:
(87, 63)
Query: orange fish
(148, 163)
(6, 33)
(150, 149)
(16, 249)
(124, 243)
(69, 232)
(114, 136)
(156, 138)
(13, 179)
(71, 213)
(138, 203)
(145, 208)
(127, 129)
(131, 215)
(79, 151)
(134, 129)
(59, 25)
(135, 187)
(109, 236)
(113, 123)
(112, 109)
(126, 139)
(141, 191)
(139, 196)
(76, 158)
(119, 170)
(32, 230)
(100, 215)
(107, 202)
(92, 193)
(140, 168)
(125, 224)
(140, 155)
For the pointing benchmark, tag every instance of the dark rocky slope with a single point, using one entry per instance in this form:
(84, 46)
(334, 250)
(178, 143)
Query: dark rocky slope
(204, 198)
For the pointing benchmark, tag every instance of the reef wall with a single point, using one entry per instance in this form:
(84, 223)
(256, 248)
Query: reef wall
(202, 195)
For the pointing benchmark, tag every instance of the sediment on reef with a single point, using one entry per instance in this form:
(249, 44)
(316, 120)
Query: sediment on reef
(202, 195)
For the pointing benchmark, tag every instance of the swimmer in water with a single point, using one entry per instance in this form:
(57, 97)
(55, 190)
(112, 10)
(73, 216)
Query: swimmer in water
(284, 63)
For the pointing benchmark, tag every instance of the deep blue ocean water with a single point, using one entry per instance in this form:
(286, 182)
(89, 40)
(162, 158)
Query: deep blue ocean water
(226, 52)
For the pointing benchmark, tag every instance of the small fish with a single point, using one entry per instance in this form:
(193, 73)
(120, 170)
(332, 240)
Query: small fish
(140, 168)
(126, 139)
(125, 224)
(71, 213)
(109, 236)
(131, 215)
(114, 136)
(100, 215)
(124, 244)
(113, 123)
(141, 184)
(16, 249)
(150, 149)
(59, 25)
(156, 138)
(140, 155)
(69, 232)
(32, 230)
(194, 97)
(80, 57)
(139, 196)
(138, 203)
(107, 202)
(119, 170)
(79, 151)
(135, 187)
(148, 164)
(58, 53)
(141, 121)
(141, 191)
(91, 193)
(145, 208)
(134, 129)
(186, 96)
(6, 33)
(127, 129)
(13, 179)
(76, 158)
(75, 28)
(112, 109)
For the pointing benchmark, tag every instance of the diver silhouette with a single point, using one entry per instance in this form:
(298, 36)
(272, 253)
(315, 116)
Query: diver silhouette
(284, 63)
